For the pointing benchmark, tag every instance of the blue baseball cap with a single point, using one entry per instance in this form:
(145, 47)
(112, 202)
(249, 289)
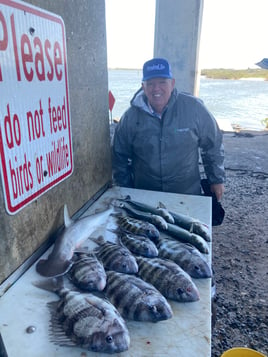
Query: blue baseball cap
(156, 68)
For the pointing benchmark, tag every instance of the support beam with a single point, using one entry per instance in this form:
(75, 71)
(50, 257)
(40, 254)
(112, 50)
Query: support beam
(177, 38)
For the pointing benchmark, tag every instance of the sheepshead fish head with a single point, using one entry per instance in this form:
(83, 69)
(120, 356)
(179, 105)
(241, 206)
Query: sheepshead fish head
(92, 282)
(199, 269)
(148, 249)
(125, 262)
(152, 232)
(153, 308)
(114, 339)
(182, 290)
(87, 272)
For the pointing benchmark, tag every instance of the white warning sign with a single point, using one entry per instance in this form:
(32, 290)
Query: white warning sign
(35, 125)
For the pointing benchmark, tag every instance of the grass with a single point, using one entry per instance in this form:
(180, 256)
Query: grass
(223, 73)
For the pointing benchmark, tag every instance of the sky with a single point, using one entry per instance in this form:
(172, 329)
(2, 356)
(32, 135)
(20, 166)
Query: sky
(234, 33)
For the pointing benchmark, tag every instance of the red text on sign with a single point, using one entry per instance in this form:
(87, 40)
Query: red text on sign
(21, 177)
(57, 116)
(12, 129)
(3, 41)
(35, 123)
(34, 55)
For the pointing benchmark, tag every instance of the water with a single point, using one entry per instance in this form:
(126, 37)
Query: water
(238, 102)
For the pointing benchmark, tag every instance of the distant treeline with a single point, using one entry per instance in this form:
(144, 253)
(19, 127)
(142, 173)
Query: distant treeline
(223, 73)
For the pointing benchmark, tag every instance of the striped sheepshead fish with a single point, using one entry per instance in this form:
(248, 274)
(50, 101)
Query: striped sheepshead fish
(139, 245)
(87, 272)
(85, 320)
(136, 226)
(167, 277)
(115, 257)
(135, 299)
(186, 256)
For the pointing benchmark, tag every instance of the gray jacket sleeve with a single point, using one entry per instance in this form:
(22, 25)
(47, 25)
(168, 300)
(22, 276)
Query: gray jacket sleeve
(211, 146)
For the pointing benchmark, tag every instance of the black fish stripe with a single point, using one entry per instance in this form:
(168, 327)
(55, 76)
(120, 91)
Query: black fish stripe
(116, 284)
(128, 241)
(133, 245)
(121, 295)
(74, 303)
(108, 253)
(128, 299)
(82, 268)
(153, 273)
(79, 272)
(133, 225)
(83, 314)
(118, 256)
(130, 304)
(131, 228)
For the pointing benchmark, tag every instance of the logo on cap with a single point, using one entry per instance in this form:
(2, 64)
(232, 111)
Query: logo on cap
(156, 67)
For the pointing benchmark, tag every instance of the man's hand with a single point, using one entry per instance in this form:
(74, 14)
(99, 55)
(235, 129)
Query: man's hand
(218, 189)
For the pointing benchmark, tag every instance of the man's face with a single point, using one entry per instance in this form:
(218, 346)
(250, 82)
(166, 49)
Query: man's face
(158, 92)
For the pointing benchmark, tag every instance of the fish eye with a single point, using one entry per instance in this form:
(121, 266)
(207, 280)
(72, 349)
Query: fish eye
(145, 247)
(196, 267)
(124, 265)
(179, 291)
(109, 339)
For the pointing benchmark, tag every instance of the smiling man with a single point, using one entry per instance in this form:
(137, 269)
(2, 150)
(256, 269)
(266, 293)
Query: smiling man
(157, 141)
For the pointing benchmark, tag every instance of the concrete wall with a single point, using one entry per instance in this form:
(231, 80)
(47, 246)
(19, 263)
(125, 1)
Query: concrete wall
(177, 38)
(24, 232)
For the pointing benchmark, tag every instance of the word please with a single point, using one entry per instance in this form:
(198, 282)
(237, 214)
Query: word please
(33, 56)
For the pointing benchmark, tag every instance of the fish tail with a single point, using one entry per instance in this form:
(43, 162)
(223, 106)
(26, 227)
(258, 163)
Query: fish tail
(51, 284)
(45, 268)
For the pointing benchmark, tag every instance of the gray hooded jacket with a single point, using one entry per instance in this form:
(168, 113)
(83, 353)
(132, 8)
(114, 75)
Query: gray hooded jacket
(163, 154)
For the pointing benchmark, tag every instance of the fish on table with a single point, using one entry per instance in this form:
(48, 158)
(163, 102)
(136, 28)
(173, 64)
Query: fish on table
(168, 278)
(193, 225)
(138, 244)
(135, 299)
(71, 238)
(85, 320)
(185, 255)
(115, 256)
(87, 272)
(155, 219)
(137, 226)
(185, 236)
(161, 210)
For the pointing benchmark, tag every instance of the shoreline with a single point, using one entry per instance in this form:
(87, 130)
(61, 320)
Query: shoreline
(246, 132)
(260, 79)
(251, 74)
